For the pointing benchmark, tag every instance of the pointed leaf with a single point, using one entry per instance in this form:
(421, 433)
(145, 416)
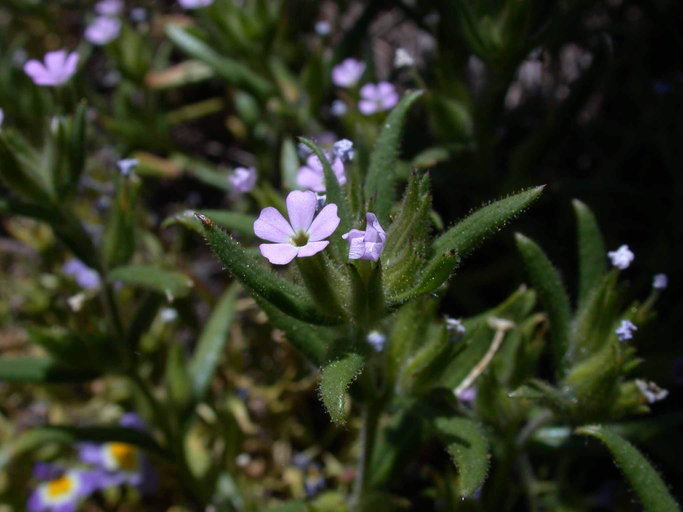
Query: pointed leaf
(212, 342)
(288, 297)
(469, 232)
(646, 482)
(380, 182)
(430, 279)
(41, 370)
(592, 261)
(335, 378)
(231, 70)
(547, 282)
(469, 449)
(151, 277)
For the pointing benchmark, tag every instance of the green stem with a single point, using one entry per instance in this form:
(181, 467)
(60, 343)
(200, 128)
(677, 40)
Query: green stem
(368, 435)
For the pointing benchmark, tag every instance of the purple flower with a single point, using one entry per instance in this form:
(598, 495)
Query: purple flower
(85, 276)
(118, 464)
(243, 179)
(377, 97)
(467, 396)
(625, 330)
(338, 108)
(343, 149)
(368, 244)
(127, 165)
(194, 4)
(103, 30)
(109, 7)
(622, 257)
(377, 340)
(62, 493)
(132, 420)
(660, 281)
(2, 117)
(311, 175)
(303, 235)
(57, 68)
(47, 471)
(347, 73)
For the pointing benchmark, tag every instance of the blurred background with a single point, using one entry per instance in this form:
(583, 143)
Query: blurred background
(585, 96)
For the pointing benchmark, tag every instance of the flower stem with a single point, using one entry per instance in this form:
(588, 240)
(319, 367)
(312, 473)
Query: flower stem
(368, 435)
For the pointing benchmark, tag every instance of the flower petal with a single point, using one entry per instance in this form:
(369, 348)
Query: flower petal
(272, 226)
(356, 249)
(308, 178)
(36, 70)
(324, 224)
(54, 61)
(367, 107)
(278, 254)
(311, 248)
(354, 233)
(301, 209)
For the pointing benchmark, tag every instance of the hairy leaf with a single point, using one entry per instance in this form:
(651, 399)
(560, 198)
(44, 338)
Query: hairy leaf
(151, 277)
(646, 482)
(547, 282)
(42, 370)
(380, 182)
(335, 378)
(592, 261)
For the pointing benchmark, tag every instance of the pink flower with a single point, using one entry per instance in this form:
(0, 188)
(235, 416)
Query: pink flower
(303, 235)
(368, 244)
(243, 179)
(194, 4)
(347, 73)
(311, 175)
(103, 30)
(59, 66)
(377, 97)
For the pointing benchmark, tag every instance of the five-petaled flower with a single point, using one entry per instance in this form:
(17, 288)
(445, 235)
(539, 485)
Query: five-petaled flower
(62, 492)
(243, 179)
(57, 67)
(377, 97)
(103, 30)
(303, 235)
(311, 175)
(368, 244)
(348, 72)
(622, 257)
(625, 330)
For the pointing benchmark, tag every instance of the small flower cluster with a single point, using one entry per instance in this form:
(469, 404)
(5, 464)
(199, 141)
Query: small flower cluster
(106, 26)
(373, 97)
(109, 465)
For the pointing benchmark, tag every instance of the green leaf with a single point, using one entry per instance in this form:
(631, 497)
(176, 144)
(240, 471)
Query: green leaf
(646, 482)
(119, 237)
(290, 298)
(151, 277)
(42, 370)
(290, 506)
(380, 182)
(177, 379)
(431, 278)
(15, 174)
(335, 378)
(212, 342)
(242, 223)
(469, 449)
(547, 282)
(592, 261)
(233, 72)
(68, 436)
(469, 232)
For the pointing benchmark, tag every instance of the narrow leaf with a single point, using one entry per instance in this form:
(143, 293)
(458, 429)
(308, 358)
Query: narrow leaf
(592, 261)
(646, 482)
(290, 298)
(469, 449)
(430, 279)
(469, 232)
(41, 370)
(212, 342)
(380, 182)
(335, 378)
(547, 282)
(232, 71)
(172, 284)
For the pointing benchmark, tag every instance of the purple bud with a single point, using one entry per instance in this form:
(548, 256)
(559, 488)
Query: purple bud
(243, 179)
(368, 244)
(347, 73)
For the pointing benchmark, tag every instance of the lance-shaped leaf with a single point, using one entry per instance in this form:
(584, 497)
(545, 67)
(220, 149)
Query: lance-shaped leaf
(177, 380)
(469, 449)
(380, 182)
(151, 277)
(242, 223)
(15, 171)
(592, 261)
(119, 236)
(646, 482)
(42, 370)
(288, 297)
(464, 236)
(212, 342)
(68, 436)
(547, 282)
(232, 71)
(436, 273)
(335, 378)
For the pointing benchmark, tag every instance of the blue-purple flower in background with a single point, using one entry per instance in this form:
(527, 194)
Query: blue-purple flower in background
(86, 277)
(348, 72)
(103, 30)
(57, 67)
(377, 97)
